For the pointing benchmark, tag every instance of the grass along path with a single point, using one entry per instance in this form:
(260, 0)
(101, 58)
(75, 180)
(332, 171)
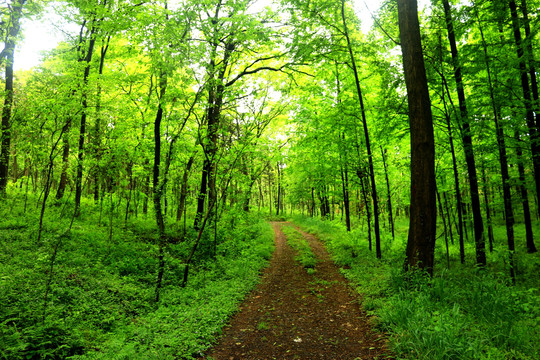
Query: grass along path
(293, 314)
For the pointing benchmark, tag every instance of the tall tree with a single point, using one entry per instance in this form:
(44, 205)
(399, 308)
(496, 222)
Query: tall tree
(8, 55)
(467, 140)
(532, 124)
(423, 215)
(366, 134)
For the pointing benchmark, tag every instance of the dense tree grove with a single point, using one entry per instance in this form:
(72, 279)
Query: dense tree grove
(179, 124)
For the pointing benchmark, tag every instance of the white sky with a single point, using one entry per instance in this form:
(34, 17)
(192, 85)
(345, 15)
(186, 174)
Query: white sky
(42, 35)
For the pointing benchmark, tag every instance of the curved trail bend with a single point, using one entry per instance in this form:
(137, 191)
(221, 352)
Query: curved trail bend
(294, 315)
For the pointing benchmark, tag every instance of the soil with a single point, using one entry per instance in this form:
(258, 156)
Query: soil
(296, 315)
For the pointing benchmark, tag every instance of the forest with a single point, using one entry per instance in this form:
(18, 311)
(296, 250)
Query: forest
(146, 160)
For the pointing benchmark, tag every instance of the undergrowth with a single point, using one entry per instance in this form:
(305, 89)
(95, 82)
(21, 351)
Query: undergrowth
(89, 293)
(461, 313)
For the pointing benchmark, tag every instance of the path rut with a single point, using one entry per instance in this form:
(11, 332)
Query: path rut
(295, 315)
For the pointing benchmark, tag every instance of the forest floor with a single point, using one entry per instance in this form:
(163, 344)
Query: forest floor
(294, 314)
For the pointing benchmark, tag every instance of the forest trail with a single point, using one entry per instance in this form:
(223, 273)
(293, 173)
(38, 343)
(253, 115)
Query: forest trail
(295, 315)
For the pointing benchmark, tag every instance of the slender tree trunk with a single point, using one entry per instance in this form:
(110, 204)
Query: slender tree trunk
(366, 134)
(9, 53)
(6, 122)
(368, 209)
(82, 130)
(448, 218)
(423, 220)
(489, 219)
(157, 189)
(97, 128)
(65, 161)
(445, 230)
(531, 247)
(531, 123)
(467, 142)
(390, 214)
(346, 202)
(146, 188)
(278, 206)
(459, 201)
(532, 63)
(183, 188)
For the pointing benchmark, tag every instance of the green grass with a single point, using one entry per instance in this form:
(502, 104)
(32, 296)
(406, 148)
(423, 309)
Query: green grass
(461, 313)
(300, 244)
(100, 293)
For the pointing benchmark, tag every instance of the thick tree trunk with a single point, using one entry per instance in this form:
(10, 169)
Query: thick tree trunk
(467, 142)
(422, 229)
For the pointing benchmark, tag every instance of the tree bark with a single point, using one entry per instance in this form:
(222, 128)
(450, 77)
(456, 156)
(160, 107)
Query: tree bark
(423, 215)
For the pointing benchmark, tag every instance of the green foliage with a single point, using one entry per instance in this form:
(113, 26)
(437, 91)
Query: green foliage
(300, 244)
(457, 314)
(100, 299)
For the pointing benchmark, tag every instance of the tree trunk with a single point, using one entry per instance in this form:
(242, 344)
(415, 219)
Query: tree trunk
(445, 230)
(346, 202)
(531, 247)
(65, 161)
(368, 209)
(82, 130)
(97, 129)
(423, 215)
(157, 189)
(183, 188)
(489, 219)
(531, 123)
(9, 53)
(390, 214)
(467, 142)
(366, 134)
(532, 63)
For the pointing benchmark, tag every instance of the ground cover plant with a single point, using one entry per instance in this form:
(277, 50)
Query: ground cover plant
(85, 294)
(456, 314)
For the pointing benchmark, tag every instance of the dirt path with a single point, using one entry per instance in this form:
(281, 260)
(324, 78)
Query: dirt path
(295, 315)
